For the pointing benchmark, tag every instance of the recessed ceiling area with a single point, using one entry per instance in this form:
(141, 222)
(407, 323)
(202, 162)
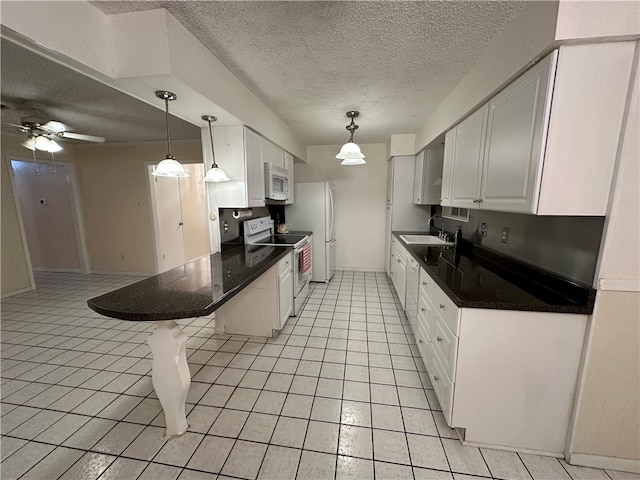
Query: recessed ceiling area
(35, 85)
(311, 61)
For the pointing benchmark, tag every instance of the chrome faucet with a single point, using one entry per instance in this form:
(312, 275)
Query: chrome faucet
(430, 223)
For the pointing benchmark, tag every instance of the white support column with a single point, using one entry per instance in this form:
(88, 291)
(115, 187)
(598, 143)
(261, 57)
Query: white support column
(170, 374)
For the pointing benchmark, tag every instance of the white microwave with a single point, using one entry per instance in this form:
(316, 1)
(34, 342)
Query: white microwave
(276, 182)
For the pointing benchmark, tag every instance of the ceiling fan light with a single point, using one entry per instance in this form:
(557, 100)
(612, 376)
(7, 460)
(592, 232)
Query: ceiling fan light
(46, 145)
(169, 167)
(29, 143)
(54, 126)
(216, 174)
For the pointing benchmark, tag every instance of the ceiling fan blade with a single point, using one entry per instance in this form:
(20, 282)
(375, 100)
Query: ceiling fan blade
(80, 136)
(53, 126)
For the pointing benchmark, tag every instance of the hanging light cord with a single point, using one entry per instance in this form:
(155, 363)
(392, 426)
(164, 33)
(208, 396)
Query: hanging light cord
(352, 127)
(166, 109)
(213, 153)
(35, 160)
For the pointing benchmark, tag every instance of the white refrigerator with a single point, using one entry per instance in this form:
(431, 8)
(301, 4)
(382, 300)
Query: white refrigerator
(313, 211)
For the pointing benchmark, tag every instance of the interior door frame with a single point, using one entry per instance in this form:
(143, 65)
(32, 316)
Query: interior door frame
(76, 213)
(153, 213)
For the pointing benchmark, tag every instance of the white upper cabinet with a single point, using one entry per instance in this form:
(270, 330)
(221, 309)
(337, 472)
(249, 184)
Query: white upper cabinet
(239, 153)
(447, 168)
(466, 171)
(547, 143)
(288, 164)
(514, 147)
(428, 177)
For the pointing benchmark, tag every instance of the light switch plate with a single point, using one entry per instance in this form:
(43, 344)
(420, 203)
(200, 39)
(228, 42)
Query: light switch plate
(483, 229)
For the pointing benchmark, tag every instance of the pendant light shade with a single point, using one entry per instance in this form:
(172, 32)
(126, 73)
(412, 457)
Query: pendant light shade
(350, 153)
(169, 167)
(215, 173)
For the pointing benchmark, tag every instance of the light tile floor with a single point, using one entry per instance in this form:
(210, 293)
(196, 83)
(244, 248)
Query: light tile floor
(340, 393)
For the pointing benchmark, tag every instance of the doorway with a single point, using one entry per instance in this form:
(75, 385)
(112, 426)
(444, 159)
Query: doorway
(47, 197)
(179, 208)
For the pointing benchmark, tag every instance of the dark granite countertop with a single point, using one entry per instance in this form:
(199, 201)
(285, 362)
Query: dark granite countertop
(197, 288)
(481, 278)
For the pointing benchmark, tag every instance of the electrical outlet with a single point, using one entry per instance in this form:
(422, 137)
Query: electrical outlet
(483, 229)
(504, 238)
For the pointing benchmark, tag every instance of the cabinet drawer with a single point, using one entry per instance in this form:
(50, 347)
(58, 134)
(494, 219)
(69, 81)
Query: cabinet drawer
(427, 284)
(441, 383)
(448, 310)
(445, 345)
(284, 264)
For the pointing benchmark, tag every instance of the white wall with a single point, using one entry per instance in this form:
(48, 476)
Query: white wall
(16, 273)
(360, 202)
(607, 417)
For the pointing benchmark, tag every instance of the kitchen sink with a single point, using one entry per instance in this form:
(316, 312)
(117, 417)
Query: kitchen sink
(424, 240)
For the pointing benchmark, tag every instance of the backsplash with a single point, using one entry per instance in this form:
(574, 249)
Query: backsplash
(567, 246)
(233, 231)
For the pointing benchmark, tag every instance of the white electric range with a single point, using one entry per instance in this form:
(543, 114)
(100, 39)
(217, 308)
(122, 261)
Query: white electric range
(259, 231)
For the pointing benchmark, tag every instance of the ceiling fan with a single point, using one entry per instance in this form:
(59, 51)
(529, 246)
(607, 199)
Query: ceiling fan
(42, 134)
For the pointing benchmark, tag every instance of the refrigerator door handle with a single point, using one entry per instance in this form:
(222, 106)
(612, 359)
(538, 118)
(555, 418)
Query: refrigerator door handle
(331, 235)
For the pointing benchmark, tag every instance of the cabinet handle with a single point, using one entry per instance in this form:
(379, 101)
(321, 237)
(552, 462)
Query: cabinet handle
(436, 378)
(398, 260)
(424, 283)
(422, 309)
(442, 306)
(420, 340)
(439, 339)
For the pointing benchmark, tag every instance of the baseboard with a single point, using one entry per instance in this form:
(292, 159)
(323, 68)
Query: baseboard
(115, 272)
(17, 292)
(359, 269)
(57, 270)
(609, 463)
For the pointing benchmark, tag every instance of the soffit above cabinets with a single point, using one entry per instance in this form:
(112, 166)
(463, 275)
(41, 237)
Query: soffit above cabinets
(309, 62)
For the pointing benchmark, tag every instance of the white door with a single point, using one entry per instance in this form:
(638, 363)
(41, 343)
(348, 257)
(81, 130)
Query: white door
(169, 223)
(330, 259)
(49, 215)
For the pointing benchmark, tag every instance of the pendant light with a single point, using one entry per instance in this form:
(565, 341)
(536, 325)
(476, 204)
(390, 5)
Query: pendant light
(215, 173)
(350, 153)
(168, 167)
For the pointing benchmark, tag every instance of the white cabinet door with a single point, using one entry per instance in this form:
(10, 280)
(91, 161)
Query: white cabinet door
(418, 178)
(447, 169)
(467, 159)
(514, 146)
(255, 168)
(288, 164)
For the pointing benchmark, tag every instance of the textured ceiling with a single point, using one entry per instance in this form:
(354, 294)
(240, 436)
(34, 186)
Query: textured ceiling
(311, 61)
(308, 61)
(84, 105)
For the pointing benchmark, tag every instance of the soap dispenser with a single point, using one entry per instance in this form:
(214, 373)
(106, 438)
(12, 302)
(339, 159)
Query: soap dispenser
(457, 241)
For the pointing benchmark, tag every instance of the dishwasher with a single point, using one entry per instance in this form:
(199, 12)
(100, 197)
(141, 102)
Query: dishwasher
(413, 283)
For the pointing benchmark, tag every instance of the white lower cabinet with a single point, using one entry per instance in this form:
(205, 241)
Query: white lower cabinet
(505, 378)
(411, 290)
(263, 306)
(398, 268)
